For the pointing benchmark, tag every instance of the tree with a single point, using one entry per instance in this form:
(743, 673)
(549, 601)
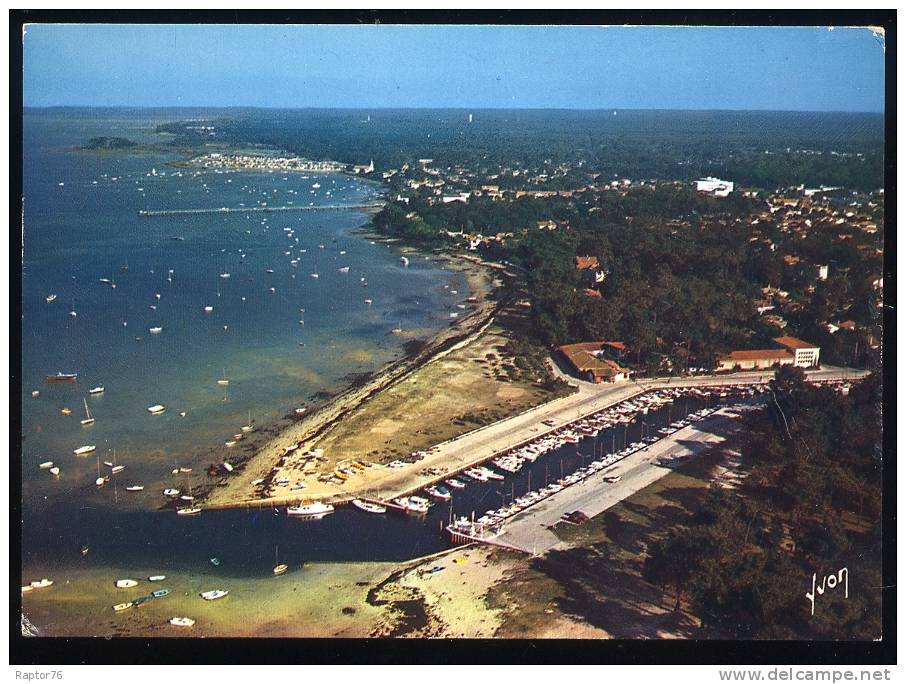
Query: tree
(677, 558)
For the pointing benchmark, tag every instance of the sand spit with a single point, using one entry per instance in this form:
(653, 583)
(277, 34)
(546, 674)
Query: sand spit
(238, 489)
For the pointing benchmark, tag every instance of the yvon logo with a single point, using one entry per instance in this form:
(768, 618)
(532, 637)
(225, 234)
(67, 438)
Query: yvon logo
(828, 582)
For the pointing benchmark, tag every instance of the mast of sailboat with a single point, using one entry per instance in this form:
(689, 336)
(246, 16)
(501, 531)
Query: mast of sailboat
(87, 412)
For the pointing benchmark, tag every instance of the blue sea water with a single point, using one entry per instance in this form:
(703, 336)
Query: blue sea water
(82, 224)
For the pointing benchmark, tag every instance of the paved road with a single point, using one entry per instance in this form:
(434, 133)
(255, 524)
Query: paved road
(529, 531)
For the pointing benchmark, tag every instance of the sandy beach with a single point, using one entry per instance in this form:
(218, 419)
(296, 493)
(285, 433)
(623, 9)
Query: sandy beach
(411, 404)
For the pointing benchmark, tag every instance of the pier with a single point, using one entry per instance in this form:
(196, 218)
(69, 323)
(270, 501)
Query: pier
(366, 206)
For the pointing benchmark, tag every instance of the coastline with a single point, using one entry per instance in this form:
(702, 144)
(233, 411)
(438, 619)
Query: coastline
(318, 422)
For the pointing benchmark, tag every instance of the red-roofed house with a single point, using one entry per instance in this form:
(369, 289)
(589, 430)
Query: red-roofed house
(586, 262)
(587, 360)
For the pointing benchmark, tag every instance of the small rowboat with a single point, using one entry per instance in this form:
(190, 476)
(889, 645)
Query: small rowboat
(182, 621)
(214, 594)
(120, 607)
(47, 465)
(160, 593)
(280, 569)
(126, 583)
(135, 488)
(157, 578)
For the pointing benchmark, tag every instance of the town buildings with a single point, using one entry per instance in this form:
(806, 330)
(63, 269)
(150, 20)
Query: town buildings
(789, 351)
(714, 186)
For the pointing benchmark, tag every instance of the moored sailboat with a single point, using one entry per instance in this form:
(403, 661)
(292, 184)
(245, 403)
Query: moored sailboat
(88, 420)
(279, 568)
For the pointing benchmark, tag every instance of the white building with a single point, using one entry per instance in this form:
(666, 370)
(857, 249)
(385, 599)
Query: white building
(715, 186)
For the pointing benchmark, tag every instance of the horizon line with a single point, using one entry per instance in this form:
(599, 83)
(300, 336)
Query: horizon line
(457, 107)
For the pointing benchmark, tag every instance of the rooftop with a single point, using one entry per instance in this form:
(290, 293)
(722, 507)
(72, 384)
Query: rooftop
(582, 357)
(584, 262)
(758, 355)
(793, 343)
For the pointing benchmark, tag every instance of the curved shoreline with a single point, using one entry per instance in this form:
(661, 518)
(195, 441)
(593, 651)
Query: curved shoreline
(238, 490)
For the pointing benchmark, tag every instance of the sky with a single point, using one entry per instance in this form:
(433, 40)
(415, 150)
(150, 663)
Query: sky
(374, 66)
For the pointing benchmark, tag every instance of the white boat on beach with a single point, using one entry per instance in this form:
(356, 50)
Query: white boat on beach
(214, 594)
(41, 584)
(182, 621)
(54, 471)
(157, 578)
(191, 510)
(317, 509)
(368, 506)
(126, 583)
